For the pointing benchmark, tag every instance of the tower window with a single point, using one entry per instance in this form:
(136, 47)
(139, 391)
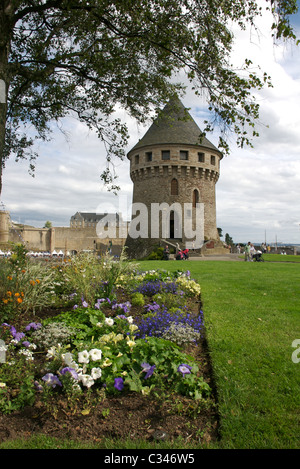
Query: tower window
(137, 159)
(165, 154)
(148, 156)
(174, 187)
(212, 159)
(201, 157)
(195, 197)
(184, 155)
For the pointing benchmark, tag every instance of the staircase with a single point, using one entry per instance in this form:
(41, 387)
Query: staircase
(175, 242)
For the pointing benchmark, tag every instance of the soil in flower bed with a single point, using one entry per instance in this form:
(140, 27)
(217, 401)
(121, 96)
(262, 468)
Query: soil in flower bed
(128, 416)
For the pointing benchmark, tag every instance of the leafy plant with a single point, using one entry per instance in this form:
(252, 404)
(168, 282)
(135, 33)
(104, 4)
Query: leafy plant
(18, 256)
(181, 334)
(137, 299)
(52, 334)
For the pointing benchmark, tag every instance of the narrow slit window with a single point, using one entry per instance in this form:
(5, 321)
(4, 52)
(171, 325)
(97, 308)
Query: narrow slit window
(174, 187)
(195, 197)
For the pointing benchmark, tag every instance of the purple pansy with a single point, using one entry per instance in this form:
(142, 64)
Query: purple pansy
(119, 384)
(148, 369)
(51, 380)
(184, 369)
(72, 372)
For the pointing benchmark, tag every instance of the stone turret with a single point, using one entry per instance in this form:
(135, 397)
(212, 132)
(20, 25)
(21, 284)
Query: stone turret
(174, 168)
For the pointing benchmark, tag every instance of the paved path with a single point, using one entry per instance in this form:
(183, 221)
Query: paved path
(227, 257)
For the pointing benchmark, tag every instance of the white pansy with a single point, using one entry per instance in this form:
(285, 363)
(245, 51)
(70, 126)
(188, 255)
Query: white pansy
(96, 373)
(69, 361)
(109, 321)
(86, 380)
(95, 354)
(83, 357)
(67, 358)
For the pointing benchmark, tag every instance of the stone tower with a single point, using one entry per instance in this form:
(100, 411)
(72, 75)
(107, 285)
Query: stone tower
(174, 174)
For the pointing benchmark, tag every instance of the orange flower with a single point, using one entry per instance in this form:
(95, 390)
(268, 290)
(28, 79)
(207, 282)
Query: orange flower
(19, 300)
(8, 293)
(38, 281)
(32, 282)
(9, 277)
(17, 295)
(23, 271)
(22, 293)
(5, 301)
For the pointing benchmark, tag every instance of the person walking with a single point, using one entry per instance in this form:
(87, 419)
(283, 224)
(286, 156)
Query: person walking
(247, 251)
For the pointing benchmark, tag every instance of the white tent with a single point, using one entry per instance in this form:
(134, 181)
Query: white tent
(54, 253)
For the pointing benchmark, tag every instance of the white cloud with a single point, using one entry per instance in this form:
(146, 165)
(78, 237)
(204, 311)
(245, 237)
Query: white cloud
(258, 189)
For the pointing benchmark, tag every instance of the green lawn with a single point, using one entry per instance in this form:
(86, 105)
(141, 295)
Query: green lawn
(252, 316)
(281, 258)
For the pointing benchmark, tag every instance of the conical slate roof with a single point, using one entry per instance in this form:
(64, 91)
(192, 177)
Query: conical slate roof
(175, 126)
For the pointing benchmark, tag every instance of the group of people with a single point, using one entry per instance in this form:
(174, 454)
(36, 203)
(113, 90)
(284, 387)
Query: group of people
(181, 254)
(251, 253)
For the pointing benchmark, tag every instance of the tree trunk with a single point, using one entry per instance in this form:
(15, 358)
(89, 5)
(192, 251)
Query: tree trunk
(3, 109)
(5, 34)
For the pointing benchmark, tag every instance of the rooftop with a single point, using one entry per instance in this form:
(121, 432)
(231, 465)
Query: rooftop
(174, 125)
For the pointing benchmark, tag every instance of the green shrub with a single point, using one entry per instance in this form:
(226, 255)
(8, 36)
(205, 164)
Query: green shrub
(137, 299)
(53, 334)
(157, 254)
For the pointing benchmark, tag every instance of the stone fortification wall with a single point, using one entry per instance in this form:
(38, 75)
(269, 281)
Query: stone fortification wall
(59, 238)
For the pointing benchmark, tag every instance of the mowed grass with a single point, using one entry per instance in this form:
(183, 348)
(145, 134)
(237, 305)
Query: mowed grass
(252, 317)
(281, 258)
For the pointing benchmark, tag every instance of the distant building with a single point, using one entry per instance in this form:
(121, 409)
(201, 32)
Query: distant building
(90, 220)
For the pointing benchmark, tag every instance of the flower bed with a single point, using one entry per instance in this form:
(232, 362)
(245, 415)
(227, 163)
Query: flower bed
(124, 336)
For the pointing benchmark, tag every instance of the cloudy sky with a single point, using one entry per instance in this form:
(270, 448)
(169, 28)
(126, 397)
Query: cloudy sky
(258, 190)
